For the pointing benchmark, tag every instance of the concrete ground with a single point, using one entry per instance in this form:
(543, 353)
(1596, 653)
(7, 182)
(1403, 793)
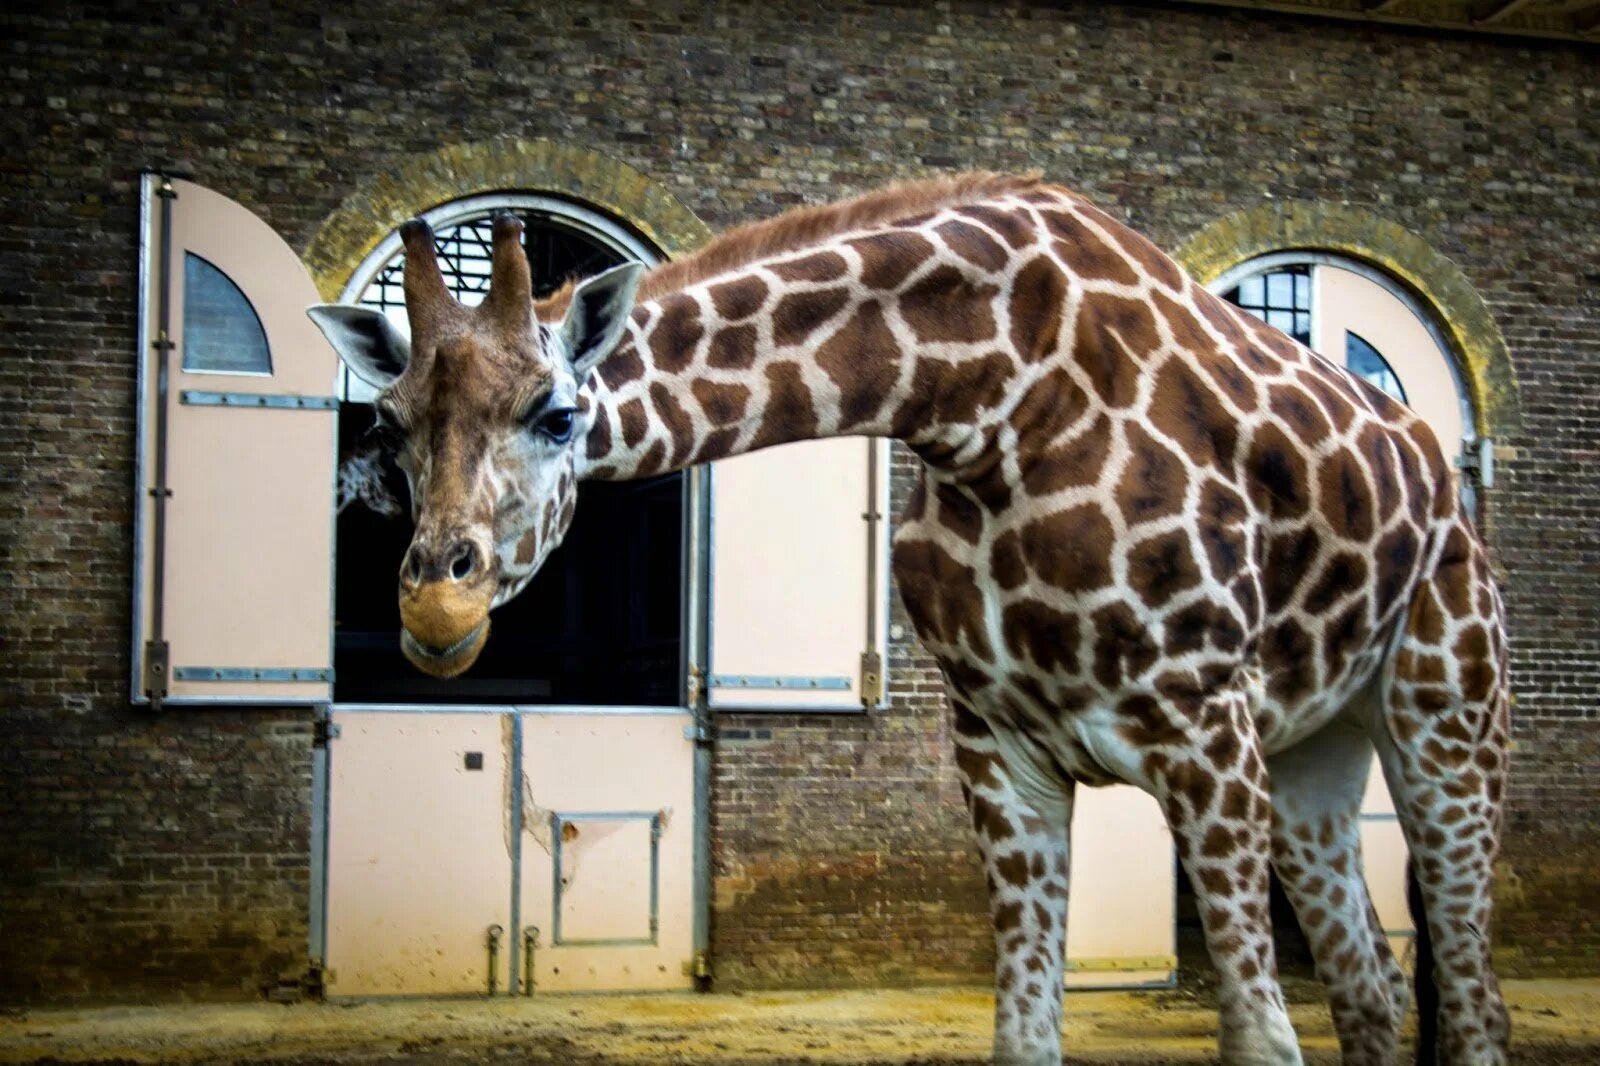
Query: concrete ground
(1556, 1022)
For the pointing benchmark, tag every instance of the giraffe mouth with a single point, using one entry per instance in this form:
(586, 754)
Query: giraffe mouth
(448, 661)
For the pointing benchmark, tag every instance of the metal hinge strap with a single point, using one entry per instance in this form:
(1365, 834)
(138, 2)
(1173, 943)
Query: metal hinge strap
(247, 673)
(770, 681)
(195, 398)
(1122, 963)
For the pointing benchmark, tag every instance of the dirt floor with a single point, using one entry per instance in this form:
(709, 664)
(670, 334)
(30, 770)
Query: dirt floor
(1557, 1022)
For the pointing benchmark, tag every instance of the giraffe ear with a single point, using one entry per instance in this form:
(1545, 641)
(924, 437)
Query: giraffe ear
(598, 314)
(370, 345)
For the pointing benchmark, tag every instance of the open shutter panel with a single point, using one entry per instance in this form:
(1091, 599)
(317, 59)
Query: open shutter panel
(233, 582)
(798, 577)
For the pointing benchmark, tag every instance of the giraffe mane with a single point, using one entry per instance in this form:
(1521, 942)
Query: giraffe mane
(804, 227)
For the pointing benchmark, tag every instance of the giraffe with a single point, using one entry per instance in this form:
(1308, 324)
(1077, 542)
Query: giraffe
(1154, 541)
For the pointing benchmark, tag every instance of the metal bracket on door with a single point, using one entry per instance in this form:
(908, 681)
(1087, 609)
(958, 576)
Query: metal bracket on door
(791, 683)
(196, 398)
(249, 673)
(494, 935)
(1477, 460)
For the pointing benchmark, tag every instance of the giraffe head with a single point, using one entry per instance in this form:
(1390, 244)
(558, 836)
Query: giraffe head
(480, 409)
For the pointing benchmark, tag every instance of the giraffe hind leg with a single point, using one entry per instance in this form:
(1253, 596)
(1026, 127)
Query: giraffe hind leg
(1317, 787)
(1441, 734)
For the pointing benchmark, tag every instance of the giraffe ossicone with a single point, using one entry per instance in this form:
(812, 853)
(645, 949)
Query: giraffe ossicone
(1154, 541)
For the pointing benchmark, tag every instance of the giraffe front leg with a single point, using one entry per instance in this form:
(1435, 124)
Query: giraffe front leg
(1213, 789)
(1022, 832)
(1316, 848)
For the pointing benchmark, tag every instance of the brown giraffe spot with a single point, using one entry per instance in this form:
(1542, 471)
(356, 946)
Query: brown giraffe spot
(1037, 296)
(1219, 843)
(1187, 332)
(990, 821)
(942, 595)
(1041, 634)
(1188, 412)
(675, 333)
(1049, 407)
(789, 414)
(1144, 722)
(739, 298)
(978, 767)
(1396, 559)
(634, 422)
(945, 392)
(527, 548)
(1123, 647)
(718, 444)
(1345, 573)
(1013, 868)
(654, 457)
(1289, 656)
(947, 305)
(1277, 472)
(621, 366)
(1214, 881)
(1345, 636)
(1453, 578)
(1335, 403)
(679, 425)
(958, 513)
(1196, 625)
(1162, 567)
(1230, 377)
(1477, 668)
(598, 442)
(733, 348)
(1085, 253)
(1290, 557)
(1222, 516)
(1236, 795)
(860, 359)
(1005, 561)
(1346, 497)
(800, 314)
(1154, 483)
(887, 259)
(1112, 336)
(972, 244)
(1070, 549)
(1077, 462)
(723, 404)
(1300, 413)
(1155, 263)
(1015, 227)
(819, 266)
(1223, 317)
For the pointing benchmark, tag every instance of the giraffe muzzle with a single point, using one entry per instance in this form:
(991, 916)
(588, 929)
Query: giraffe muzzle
(445, 625)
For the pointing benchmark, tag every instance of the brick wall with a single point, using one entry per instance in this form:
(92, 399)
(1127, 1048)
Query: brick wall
(167, 856)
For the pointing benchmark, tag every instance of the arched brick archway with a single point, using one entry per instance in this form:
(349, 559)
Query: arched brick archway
(350, 233)
(1463, 318)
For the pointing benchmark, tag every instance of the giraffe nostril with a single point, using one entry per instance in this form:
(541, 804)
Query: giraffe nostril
(412, 567)
(464, 561)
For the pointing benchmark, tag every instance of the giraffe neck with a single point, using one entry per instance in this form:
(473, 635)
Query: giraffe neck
(883, 334)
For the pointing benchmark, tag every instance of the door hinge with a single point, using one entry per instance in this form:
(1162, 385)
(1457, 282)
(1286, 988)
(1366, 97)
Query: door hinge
(871, 679)
(698, 967)
(322, 731)
(157, 668)
(1477, 460)
(694, 684)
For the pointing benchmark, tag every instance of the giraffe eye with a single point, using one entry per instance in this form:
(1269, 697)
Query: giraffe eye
(387, 436)
(557, 424)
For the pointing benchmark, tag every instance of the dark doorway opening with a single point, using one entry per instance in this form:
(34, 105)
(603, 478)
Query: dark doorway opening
(602, 622)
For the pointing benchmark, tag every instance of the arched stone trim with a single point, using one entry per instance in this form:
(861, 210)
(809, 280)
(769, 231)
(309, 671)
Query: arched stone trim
(1461, 314)
(348, 235)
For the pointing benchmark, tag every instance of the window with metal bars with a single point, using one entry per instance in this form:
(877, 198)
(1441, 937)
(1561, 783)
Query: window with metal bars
(1280, 298)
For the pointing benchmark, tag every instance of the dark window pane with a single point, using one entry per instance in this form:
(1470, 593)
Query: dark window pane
(1367, 363)
(221, 331)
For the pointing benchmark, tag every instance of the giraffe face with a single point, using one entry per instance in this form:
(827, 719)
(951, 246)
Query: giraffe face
(480, 409)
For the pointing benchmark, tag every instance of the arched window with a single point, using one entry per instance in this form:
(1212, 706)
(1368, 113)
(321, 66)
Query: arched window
(1361, 318)
(601, 624)
(563, 240)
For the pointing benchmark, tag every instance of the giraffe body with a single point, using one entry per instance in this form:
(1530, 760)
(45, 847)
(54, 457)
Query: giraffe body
(1154, 542)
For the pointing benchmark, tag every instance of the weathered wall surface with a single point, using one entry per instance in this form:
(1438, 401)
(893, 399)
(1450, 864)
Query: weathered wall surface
(167, 856)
